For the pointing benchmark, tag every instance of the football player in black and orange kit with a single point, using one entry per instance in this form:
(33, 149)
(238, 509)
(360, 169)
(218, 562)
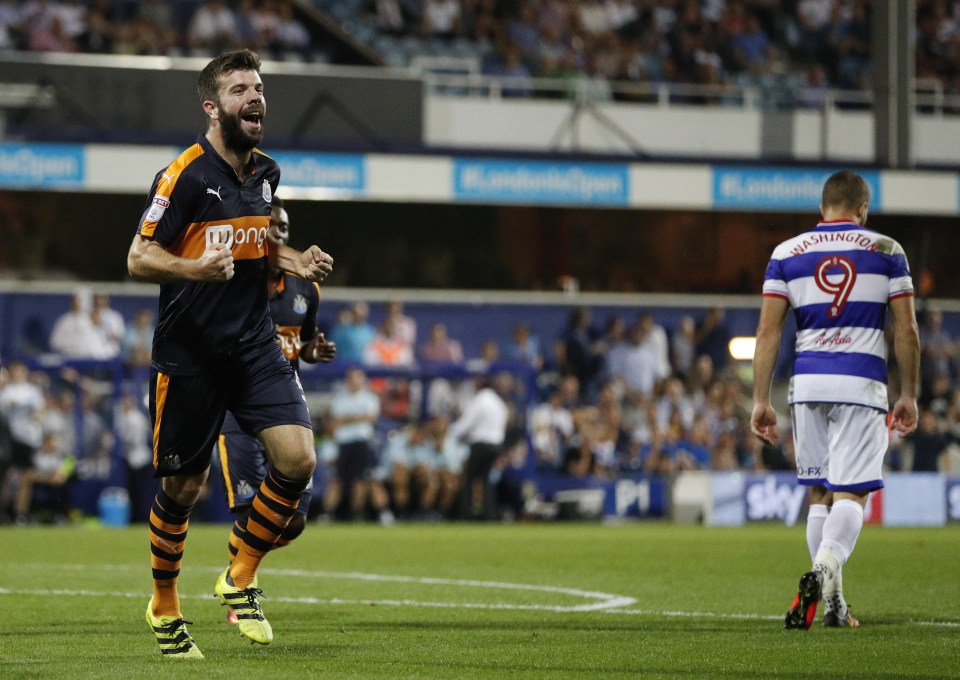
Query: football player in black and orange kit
(203, 238)
(243, 460)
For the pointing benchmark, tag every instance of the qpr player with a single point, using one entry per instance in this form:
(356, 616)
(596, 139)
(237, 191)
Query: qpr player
(243, 458)
(202, 237)
(840, 279)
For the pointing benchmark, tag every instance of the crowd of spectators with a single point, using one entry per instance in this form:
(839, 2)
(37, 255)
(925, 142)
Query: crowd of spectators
(607, 397)
(155, 27)
(815, 44)
(822, 44)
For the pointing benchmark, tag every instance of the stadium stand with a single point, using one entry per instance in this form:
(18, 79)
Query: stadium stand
(790, 51)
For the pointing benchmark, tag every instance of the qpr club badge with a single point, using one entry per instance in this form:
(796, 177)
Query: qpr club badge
(267, 193)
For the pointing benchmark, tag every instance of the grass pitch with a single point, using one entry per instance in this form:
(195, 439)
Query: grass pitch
(487, 601)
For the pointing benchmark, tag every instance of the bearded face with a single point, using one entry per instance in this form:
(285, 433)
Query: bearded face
(241, 130)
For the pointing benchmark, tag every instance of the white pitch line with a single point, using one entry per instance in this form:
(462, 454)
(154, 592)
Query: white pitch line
(447, 605)
(605, 600)
(608, 604)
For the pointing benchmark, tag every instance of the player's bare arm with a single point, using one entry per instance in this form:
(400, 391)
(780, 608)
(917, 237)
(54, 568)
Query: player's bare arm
(149, 261)
(773, 315)
(906, 347)
(312, 264)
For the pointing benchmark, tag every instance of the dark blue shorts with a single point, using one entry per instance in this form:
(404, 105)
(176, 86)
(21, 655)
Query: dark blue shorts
(257, 385)
(243, 461)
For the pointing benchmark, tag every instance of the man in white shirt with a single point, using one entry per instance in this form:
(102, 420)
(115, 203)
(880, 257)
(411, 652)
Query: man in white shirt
(483, 425)
(353, 413)
(75, 335)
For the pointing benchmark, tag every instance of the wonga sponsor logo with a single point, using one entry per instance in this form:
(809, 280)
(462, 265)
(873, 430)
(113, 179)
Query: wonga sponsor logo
(540, 182)
(778, 189)
(773, 497)
(225, 234)
(41, 165)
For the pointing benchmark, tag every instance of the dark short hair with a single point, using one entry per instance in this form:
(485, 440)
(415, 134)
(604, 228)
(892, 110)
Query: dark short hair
(845, 189)
(208, 86)
(276, 202)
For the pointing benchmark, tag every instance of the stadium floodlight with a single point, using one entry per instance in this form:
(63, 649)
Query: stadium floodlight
(741, 348)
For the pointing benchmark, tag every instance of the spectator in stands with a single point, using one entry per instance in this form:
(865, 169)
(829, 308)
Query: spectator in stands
(488, 356)
(713, 338)
(43, 483)
(522, 31)
(481, 20)
(450, 457)
(136, 441)
(45, 28)
(212, 28)
(849, 45)
(99, 38)
(75, 334)
(683, 347)
(110, 322)
(354, 410)
(525, 347)
(636, 362)
(387, 16)
(386, 349)
(584, 351)
(751, 48)
(138, 340)
(551, 426)
(513, 75)
(404, 325)
(677, 450)
(608, 434)
(593, 17)
(483, 426)
(656, 337)
(813, 92)
(813, 20)
(937, 349)
(292, 37)
(248, 30)
(157, 13)
(440, 348)
(673, 399)
(929, 444)
(441, 19)
(352, 333)
(21, 403)
(11, 33)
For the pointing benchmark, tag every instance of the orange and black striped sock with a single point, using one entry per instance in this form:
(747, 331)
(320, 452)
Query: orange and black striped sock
(271, 512)
(236, 537)
(168, 534)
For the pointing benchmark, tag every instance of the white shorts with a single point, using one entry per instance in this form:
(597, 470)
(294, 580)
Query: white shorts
(839, 446)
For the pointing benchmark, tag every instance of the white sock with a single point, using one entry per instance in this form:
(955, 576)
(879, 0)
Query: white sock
(815, 519)
(833, 595)
(840, 533)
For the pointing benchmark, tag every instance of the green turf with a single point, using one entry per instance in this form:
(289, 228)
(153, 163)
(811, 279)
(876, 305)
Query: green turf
(485, 601)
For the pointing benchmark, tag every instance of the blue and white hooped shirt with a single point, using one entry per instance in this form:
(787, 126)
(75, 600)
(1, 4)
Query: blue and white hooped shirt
(839, 279)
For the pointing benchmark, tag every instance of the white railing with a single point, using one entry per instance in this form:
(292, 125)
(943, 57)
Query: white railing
(459, 80)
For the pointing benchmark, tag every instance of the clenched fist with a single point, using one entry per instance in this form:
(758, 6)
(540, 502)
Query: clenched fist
(216, 263)
(315, 265)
